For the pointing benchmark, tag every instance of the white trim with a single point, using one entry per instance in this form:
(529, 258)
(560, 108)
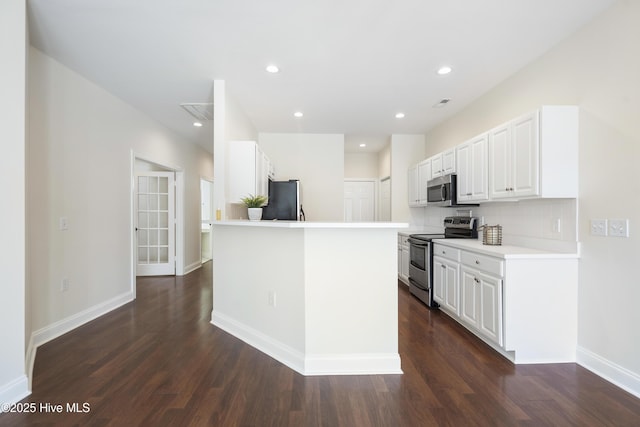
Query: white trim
(14, 391)
(329, 364)
(353, 364)
(180, 254)
(610, 371)
(192, 267)
(132, 226)
(61, 327)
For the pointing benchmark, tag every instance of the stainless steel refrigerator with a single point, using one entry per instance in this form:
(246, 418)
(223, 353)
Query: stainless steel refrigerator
(284, 201)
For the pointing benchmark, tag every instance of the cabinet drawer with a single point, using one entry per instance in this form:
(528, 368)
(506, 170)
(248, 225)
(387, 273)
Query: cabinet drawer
(488, 264)
(446, 252)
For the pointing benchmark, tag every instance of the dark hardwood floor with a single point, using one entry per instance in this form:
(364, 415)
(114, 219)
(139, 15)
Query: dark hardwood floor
(159, 362)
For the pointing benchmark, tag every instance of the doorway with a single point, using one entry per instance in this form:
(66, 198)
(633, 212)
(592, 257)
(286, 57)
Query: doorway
(206, 219)
(154, 244)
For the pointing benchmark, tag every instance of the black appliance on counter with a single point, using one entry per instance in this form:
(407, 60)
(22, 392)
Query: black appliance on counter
(421, 255)
(284, 201)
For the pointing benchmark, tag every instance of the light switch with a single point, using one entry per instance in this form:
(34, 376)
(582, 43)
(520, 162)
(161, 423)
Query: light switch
(63, 223)
(619, 227)
(598, 227)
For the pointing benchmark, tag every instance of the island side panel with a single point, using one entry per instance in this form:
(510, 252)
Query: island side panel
(351, 301)
(258, 289)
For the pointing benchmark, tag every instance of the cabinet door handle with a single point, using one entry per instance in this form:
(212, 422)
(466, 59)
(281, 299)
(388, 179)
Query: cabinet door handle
(475, 279)
(477, 262)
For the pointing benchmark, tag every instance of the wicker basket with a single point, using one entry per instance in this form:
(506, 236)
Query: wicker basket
(492, 235)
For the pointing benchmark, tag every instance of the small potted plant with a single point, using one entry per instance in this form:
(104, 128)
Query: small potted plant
(254, 206)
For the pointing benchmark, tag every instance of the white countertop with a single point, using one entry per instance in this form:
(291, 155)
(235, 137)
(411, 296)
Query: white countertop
(312, 224)
(504, 251)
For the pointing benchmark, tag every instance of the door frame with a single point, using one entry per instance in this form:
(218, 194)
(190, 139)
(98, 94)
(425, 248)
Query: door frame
(179, 212)
(212, 213)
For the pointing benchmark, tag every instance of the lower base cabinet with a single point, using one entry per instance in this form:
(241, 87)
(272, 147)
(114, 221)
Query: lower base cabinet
(481, 303)
(500, 299)
(403, 258)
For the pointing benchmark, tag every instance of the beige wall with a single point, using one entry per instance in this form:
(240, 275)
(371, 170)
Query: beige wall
(406, 150)
(597, 69)
(317, 160)
(79, 160)
(361, 165)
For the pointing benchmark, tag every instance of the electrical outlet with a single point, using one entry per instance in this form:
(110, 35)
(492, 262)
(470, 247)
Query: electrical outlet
(64, 285)
(619, 227)
(598, 227)
(556, 225)
(272, 298)
(63, 224)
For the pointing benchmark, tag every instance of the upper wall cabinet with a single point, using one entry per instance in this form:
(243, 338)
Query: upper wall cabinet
(418, 177)
(535, 155)
(249, 170)
(443, 163)
(472, 169)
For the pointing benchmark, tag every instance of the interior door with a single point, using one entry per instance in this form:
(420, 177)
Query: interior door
(359, 201)
(155, 223)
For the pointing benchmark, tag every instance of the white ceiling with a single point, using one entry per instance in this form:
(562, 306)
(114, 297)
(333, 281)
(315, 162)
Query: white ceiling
(349, 65)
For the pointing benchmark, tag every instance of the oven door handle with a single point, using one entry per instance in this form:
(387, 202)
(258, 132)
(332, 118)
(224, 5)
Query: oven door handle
(416, 242)
(418, 285)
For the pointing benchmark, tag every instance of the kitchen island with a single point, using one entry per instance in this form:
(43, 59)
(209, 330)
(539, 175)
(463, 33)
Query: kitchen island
(321, 298)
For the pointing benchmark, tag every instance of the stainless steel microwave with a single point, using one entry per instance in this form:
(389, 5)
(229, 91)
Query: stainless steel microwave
(442, 191)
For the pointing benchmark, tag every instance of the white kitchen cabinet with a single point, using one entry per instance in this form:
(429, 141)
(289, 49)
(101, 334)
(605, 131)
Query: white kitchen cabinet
(248, 170)
(403, 258)
(502, 290)
(535, 155)
(481, 302)
(443, 163)
(413, 186)
(417, 179)
(424, 175)
(446, 285)
(472, 169)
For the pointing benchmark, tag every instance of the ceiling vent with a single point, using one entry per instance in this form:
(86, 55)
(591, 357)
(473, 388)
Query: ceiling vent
(200, 111)
(442, 103)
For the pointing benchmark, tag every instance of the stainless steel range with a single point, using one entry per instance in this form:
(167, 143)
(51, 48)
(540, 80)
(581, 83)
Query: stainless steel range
(421, 255)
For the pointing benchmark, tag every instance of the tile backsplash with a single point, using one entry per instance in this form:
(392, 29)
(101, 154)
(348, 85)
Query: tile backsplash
(541, 223)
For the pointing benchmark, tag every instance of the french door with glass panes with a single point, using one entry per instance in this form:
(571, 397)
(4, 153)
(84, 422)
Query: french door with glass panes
(155, 223)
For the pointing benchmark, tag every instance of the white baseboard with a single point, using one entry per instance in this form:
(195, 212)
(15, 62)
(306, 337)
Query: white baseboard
(325, 364)
(610, 371)
(61, 327)
(353, 364)
(192, 267)
(14, 391)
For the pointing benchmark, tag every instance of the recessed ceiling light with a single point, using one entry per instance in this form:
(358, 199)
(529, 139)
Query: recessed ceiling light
(197, 124)
(272, 69)
(400, 116)
(298, 114)
(363, 145)
(444, 70)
